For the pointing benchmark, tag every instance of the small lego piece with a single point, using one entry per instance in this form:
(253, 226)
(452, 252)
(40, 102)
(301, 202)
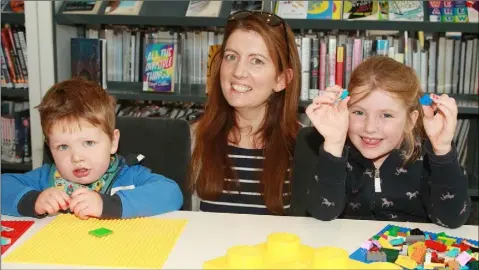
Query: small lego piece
(453, 265)
(377, 243)
(404, 250)
(376, 256)
(6, 241)
(406, 262)
(473, 265)
(435, 245)
(418, 254)
(428, 257)
(367, 245)
(100, 232)
(463, 258)
(425, 100)
(447, 240)
(475, 255)
(384, 243)
(391, 254)
(453, 252)
(410, 239)
(411, 248)
(344, 94)
(433, 265)
(6, 229)
(402, 234)
(397, 241)
(416, 231)
(394, 231)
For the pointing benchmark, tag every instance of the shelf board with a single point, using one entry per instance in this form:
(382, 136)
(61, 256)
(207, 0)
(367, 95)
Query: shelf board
(16, 166)
(132, 91)
(13, 18)
(15, 92)
(172, 13)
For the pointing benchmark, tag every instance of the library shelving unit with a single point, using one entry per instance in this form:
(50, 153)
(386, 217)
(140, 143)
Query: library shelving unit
(12, 18)
(172, 14)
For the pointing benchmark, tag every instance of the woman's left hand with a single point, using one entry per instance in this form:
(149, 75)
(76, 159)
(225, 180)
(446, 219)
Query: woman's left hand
(440, 126)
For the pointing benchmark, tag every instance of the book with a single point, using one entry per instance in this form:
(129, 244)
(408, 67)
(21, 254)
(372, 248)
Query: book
(360, 10)
(123, 7)
(203, 9)
(82, 7)
(160, 65)
(213, 53)
(406, 11)
(320, 10)
(246, 5)
(12, 231)
(292, 9)
(86, 59)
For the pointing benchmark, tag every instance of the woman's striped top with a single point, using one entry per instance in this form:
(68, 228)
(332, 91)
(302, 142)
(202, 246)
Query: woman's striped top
(248, 200)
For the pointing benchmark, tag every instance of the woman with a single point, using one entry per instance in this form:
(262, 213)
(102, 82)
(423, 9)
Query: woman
(245, 140)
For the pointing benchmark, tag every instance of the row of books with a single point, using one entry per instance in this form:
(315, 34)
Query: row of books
(444, 64)
(16, 147)
(175, 110)
(445, 11)
(438, 11)
(139, 56)
(13, 57)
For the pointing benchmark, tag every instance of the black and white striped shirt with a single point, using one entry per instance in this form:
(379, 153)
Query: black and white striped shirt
(245, 199)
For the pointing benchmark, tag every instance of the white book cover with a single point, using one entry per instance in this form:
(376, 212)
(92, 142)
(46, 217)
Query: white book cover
(123, 8)
(462, 63)
(441, 66)
(474, 66)
(305, 66)
(431, 78)
(331, 61)
(203, 9)
(406, 11)
(448, 67)
(292, 9)
(468, 68)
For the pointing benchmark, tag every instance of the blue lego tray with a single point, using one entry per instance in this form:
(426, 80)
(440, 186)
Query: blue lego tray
(360, 254)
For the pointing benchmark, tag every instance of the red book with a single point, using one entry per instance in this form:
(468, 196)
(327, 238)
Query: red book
(340, 66)
(19, 228)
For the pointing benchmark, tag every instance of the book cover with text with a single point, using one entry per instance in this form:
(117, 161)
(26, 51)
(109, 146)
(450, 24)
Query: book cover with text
(160, 64)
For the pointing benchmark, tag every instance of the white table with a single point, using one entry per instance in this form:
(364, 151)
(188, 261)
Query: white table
(209, 235)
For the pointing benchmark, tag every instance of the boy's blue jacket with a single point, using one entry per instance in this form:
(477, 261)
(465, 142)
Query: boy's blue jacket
(142, 193)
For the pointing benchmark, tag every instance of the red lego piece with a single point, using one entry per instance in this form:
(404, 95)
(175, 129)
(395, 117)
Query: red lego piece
(461, 246)
(435, 245)
(374, 248)
(19, 228)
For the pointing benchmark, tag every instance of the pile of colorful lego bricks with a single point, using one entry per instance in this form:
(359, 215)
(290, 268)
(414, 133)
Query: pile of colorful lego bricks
(415, 249)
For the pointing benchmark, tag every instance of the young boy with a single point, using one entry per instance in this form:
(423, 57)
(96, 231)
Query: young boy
(87, 178)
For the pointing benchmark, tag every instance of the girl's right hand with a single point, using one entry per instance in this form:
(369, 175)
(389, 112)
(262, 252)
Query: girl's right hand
(331, 119)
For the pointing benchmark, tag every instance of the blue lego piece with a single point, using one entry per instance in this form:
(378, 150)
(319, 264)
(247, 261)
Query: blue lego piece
(344, 94)
(425, 100)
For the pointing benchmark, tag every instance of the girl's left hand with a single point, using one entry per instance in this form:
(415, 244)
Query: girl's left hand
(440, 126)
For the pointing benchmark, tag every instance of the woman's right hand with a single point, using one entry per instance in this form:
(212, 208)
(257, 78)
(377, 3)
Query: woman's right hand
(331, 119)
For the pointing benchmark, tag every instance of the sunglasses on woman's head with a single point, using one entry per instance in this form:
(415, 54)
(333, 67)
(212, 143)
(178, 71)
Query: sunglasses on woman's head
(266, 17)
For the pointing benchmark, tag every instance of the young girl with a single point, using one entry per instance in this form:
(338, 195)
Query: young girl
(375, 162)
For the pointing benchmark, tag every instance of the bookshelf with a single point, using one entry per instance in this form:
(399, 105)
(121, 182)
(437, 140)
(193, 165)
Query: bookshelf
(172, 14)
(9, 17)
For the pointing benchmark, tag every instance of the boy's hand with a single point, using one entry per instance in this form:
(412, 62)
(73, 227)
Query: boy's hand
(440, 127)
(86, 203)
(51, 200)
(331, 119)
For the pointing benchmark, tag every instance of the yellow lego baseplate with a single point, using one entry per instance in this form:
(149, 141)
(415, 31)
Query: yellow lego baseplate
(285, 251)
